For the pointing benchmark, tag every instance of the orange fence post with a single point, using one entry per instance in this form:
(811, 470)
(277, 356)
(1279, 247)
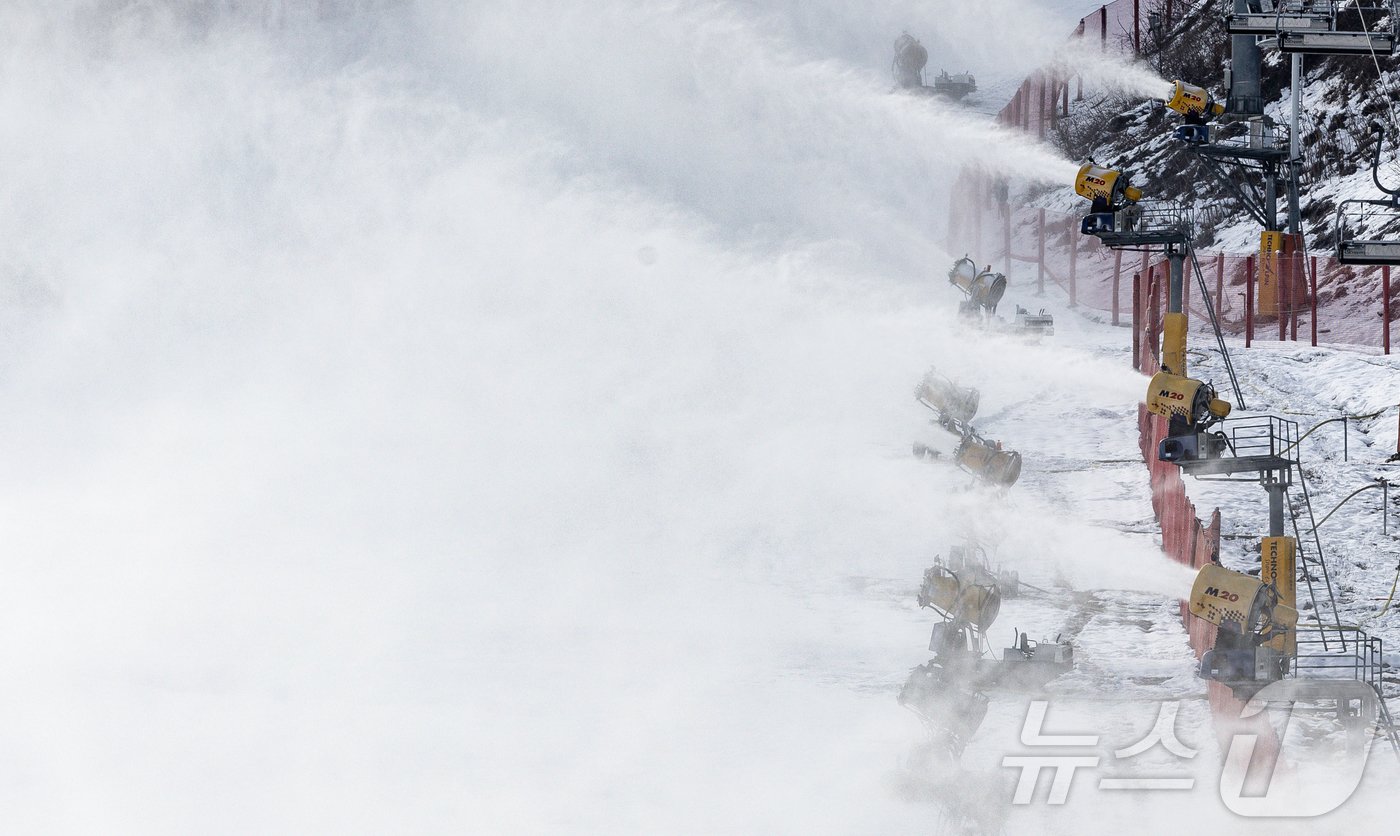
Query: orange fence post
(1385, 306)
(1137, 28)
(976, 224)
(1248, 300)
(1296, 280)
(1137, 321)
(1006, 237)
(1219, 284)
(1073, 258)
(1314, 300)
(1040, 256)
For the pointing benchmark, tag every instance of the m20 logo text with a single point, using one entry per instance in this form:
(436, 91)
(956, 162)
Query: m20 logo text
(1228, 596)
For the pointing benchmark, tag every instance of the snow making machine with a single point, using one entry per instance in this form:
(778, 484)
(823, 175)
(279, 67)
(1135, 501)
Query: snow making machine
(954, 86)
(1192, 408)
(948, 692)
(910, 58)
(984, 290)
(1197, 108)
(945, 397)
(1256, 638)
(970, 561)
(982, 287)
(953, 407)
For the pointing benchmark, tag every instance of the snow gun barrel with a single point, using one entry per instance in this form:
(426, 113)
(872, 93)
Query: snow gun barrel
(983, 287)
(1196, 102)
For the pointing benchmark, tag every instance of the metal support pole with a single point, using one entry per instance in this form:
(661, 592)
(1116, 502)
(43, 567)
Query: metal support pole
(1117, 271)
(977, 224)
(1346, 436)
(1271, 195)
(1275, 487)
(1296, 277)
(1246, 66)
(1176, 286)
(1295, 157)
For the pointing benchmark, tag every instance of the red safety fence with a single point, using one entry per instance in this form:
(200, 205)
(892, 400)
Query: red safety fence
(1297, 296)
(1186, 540)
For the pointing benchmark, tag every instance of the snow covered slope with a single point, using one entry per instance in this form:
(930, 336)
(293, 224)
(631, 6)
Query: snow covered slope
(443, 417)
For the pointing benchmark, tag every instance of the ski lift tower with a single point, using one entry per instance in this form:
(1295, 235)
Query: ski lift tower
(1122, 220)
(1297, 28)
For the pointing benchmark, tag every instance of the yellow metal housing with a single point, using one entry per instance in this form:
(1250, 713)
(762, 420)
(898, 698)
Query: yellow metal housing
(1279, 560)
(1174, 343)
(1172, 394)
(957, 402)
(1000, 467)
(1188, 100)
(960, 600)
(1096, 182)
(1271, 251)
(1220, 595)
(983, 287)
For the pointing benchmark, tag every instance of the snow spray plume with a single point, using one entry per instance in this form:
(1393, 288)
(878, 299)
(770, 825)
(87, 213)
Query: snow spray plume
(1110, 71)
(723, 118)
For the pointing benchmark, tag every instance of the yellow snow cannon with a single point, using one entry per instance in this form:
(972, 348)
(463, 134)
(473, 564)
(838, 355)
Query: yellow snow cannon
(986, 460)
(983, 288)
(959, 599)
(1193, 401)
(1192, 101)
(946, 397)
(1256, 636)
(1196, 108)
(1192, 407)
(1107, 185)
(1109, 192)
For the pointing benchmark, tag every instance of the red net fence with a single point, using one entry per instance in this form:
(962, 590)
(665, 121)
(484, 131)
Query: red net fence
(1259, 297)
(1122, 26)
(1271, 297)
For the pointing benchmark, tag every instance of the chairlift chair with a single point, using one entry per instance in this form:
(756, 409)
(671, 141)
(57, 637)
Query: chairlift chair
(1359, 222)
